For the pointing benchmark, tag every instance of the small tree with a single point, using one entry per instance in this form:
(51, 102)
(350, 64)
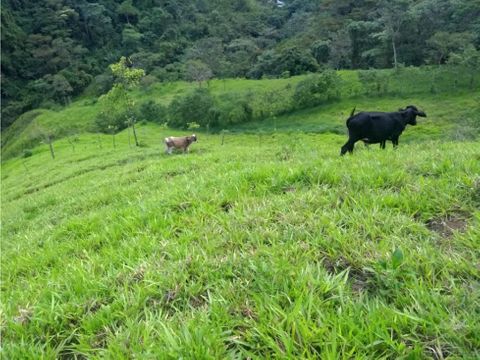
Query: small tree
(47, 137)
(126, 79)
(321, 51)
(197, 71)
(470, 59)
(393, 14)
(113, 130)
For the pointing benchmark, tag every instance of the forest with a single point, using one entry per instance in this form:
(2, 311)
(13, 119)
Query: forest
(56, 50)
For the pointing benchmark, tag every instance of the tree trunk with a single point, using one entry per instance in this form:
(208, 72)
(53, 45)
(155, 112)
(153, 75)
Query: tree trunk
(134, 133)
(50, 145)
(394, 52)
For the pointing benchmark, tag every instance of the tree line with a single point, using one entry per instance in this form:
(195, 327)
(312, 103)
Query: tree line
(55, 50)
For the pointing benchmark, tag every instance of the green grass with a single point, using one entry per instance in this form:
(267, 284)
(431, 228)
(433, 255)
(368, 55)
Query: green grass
(270, 246)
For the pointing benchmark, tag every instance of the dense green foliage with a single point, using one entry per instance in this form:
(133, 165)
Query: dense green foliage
(51, 51)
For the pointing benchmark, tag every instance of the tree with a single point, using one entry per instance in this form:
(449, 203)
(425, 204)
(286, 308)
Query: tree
(126, 79)
(195, 70)
(470, 59)
(128, 11)
(130, 38)
(46, 135)
(61, 88)
(210, 52)
(340, 50)
(393, 14)
(321, 51)
(240, 54)
(443, 43)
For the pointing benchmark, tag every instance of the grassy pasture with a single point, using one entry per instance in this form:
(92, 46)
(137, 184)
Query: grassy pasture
(273, 96)
(268, 246)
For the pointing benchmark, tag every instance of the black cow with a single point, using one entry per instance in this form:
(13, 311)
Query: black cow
(378, 127)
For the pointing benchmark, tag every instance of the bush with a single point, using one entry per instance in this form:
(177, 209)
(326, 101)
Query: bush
(101, 84)
(171, 72)
(106, 121)
(148, 81)
(374, 81)
(195, 106)
(231, 110)
(27, 153)
(317, 89)
(151, 111)
(291, 60)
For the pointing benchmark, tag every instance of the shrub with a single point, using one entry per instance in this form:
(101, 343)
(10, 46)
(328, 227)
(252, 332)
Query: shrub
(317, 89)
(106, 121)
(374, 81)
(231, 110)
(152, 111)
(148, 81)
(101, 84)
(27, 153)
(195, 106)
(291, 60)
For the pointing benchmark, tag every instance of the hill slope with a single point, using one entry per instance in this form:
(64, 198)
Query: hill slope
(266, 246)
(272, 104)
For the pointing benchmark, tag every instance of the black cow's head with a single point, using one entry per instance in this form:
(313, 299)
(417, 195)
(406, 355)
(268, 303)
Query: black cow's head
(412, 113)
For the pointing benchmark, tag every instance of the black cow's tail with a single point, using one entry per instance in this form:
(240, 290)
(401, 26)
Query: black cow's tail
(351, 115)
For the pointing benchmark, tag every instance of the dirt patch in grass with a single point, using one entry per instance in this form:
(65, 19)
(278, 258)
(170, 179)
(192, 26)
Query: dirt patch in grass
(181, 207)
(358, 278)
(24, 315)
(446, 226)
(226, 206)
(92, 306)
(174, 173)
(287, 189)
(199, 300)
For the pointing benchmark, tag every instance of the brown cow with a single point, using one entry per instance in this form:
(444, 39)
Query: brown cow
(182, 142)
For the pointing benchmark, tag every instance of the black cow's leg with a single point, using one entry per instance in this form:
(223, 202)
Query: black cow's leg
(347, 147)
(395, 142)
(382, 144)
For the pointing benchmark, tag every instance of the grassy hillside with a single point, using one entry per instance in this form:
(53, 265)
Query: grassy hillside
(268, 246)
(445, 93)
